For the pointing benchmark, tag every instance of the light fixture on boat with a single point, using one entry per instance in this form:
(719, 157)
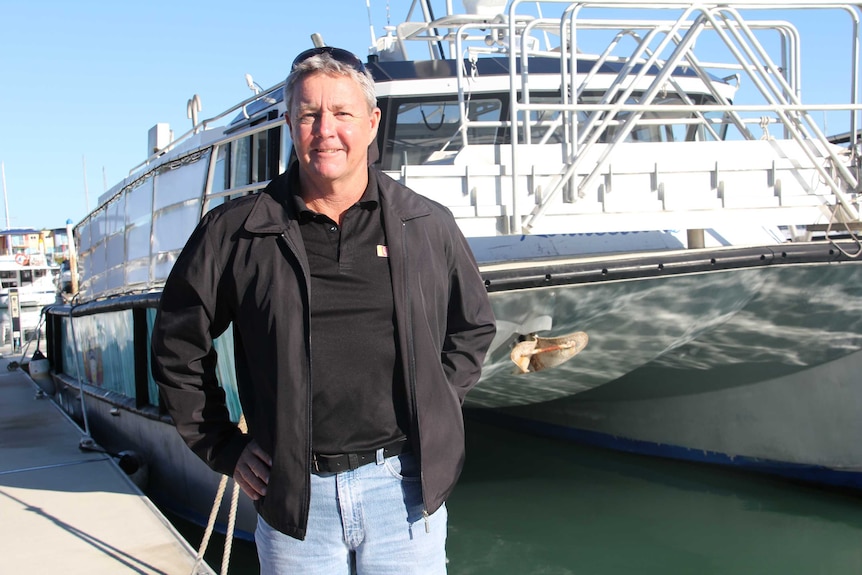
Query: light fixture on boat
(252, 85)
(255, 87)
(540, 353)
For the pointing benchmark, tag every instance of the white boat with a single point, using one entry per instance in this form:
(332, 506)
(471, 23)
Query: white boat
(32, 276)
(649, 178)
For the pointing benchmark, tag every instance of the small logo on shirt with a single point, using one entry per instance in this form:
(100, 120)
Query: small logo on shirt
(382, 251)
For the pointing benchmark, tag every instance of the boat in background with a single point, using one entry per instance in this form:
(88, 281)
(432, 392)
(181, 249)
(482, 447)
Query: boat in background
(32, 276)
(650, 202)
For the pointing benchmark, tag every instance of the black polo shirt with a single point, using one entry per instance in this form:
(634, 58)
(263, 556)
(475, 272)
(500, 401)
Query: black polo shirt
(358, 394)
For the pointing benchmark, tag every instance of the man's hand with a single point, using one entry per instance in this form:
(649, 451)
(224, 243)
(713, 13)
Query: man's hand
(252, 471)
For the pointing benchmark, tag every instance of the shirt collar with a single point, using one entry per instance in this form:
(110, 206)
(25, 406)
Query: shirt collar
(370, 199)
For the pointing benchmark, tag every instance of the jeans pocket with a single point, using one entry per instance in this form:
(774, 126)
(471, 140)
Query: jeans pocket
(404, 467)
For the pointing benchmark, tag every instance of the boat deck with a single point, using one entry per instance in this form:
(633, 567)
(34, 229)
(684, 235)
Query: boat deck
(70, 511)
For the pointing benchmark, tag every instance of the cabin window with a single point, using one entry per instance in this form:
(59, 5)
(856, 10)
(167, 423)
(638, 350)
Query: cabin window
(663, 131)
(670, 126)
(261, 155)
(241, 162)
(176, 211)
(267, 154)
(253, 159)
(9, 279)
(418, 132)
(152, 387)
(105, 356)
(285, 149)
(115, 248)
(424, 128)
(139, 210)
(221, 176)
(546, 126)
(225, 372)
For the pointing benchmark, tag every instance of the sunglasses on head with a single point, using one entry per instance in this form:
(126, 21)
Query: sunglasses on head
(336, 54)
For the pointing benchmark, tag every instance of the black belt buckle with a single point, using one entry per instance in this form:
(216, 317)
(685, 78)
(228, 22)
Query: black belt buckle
(350, 461)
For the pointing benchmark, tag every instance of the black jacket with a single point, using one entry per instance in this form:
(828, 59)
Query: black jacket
(245, 263)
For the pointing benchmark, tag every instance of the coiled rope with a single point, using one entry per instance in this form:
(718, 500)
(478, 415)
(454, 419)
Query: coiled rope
(231, 520)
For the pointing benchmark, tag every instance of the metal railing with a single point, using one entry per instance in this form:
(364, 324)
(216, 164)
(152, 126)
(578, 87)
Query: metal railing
(662, 46)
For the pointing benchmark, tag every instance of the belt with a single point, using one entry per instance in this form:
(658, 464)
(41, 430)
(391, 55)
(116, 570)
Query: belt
(349, 461)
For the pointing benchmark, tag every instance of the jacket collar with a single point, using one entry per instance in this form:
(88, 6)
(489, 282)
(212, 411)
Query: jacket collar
(398, 199)
(274, 209)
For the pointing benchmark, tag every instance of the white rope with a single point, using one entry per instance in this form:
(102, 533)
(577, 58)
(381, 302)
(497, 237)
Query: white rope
(210, 524)
(231, 520)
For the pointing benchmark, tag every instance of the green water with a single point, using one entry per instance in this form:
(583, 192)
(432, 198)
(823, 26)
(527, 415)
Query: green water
(535, 506)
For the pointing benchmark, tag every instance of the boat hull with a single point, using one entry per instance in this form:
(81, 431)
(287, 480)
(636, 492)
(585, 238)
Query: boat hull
(795, 426)
(754, 367)
(726, 356)
(176, 479)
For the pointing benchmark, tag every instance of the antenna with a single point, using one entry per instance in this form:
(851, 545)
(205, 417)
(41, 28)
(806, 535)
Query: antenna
(370, 23)
(5, 198)
(86, 191)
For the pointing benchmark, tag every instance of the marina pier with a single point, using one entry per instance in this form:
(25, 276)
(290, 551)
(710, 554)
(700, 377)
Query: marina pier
(66, 510)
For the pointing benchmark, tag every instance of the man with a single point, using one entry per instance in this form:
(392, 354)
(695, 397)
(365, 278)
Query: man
(360, 322)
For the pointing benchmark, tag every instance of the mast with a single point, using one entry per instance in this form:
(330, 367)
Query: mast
(5, 197)
(86, 191)
(371, 24)
(73, 256)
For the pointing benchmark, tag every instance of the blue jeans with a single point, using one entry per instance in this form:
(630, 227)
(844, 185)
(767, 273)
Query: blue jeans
(368, 521)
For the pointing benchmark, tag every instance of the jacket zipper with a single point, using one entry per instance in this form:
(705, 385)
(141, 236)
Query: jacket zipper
(308, 378)
(411, 362)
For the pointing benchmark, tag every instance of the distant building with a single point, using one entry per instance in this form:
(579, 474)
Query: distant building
(54, 243)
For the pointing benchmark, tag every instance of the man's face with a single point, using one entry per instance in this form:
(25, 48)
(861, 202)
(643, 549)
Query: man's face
(331, 128)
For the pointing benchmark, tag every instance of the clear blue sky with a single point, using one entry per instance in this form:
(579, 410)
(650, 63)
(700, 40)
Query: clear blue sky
(84, 80)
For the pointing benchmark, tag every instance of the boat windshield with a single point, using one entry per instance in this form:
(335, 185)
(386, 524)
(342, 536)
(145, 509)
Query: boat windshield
(420, 128)
(428, 130)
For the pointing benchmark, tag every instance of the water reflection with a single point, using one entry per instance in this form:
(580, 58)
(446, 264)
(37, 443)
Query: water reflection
(527, 505)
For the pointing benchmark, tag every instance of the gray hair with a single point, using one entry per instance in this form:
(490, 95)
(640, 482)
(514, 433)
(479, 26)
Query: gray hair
(324, 63)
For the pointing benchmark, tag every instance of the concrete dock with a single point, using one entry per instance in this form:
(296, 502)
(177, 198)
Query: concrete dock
(63, 510)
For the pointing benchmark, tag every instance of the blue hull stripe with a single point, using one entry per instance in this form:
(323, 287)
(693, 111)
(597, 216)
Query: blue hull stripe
(809, 473)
